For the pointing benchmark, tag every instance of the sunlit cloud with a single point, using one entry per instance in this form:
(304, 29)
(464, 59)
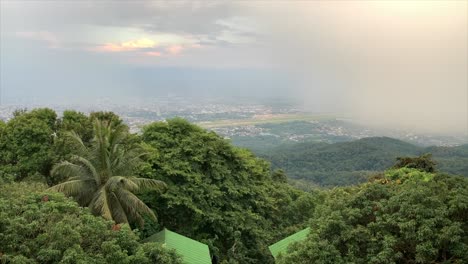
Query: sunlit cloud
(153, 53)
(45, 36)
(146, 47)
(143, 43)
(140, 43)
(174, 49)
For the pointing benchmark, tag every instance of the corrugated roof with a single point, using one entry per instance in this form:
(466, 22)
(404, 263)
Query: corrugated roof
(192, 251)
(282, 245)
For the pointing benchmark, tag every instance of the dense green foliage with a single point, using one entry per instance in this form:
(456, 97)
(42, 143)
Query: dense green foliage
(424, 163)
(26, 143)
(352, 162)
(101, 176)
(287, 133)
(221, 195)
(32, 142)
(453, 160)
(78, 122)
(412, 217)
(218, 194)
(38, 226)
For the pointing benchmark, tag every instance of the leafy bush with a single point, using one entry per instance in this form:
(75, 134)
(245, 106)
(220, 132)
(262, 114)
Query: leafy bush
(219, 194)
(423, 163)
(408, 174)
(415, 221)
(47, 227)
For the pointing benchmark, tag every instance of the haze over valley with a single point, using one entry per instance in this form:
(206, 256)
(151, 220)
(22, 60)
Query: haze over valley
(234, 132)
(387, 65)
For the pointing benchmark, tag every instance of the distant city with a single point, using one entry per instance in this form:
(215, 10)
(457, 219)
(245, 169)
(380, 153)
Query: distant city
(243, 121)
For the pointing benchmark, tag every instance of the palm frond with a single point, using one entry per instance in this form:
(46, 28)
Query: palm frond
(73, 187)
(139, 219)
(97, 175)
(88, 167)
(99, 148)
(76, 141)
(67, 169)
(118, 135)
(133, 205)
(148, 184)
(100, 204)
(118, 212)
(127, 162)
(121, 182)
(85, 197)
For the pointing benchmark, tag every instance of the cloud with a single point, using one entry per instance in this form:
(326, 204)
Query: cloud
(170, 45)
(396, 64)
(139, 44)
(392, 63)
(201, 20)
(174, 49)
(49, 38)
(153, 53)
(119, 29)
(136, 44)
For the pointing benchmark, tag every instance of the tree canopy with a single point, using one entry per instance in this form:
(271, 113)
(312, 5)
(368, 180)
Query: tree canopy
(350, 163)
(26, 143)
(219, 194)
(101, 176)
(408, 219)
(38, 226)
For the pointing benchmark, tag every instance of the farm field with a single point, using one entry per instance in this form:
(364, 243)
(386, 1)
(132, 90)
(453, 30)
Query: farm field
(267, 119)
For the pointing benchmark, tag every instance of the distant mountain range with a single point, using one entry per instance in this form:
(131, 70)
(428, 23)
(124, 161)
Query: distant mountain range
(348, 163)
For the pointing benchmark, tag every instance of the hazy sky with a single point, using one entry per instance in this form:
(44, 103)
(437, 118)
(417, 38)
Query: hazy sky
(395, 63)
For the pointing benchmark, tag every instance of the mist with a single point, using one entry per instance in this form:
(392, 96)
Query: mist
(389, 64)
(395, 64)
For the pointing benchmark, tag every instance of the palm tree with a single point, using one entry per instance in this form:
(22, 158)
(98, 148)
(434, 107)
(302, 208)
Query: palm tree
(100, 176)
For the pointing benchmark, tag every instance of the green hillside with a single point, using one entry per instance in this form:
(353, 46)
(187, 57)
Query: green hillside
(351, 162)
(83, 189)
(174, 175)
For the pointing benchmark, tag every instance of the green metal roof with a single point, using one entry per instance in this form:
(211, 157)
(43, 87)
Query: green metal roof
(282, 245)
(192, 251)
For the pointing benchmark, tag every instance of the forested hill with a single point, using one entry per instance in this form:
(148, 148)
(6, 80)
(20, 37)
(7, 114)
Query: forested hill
(351, 162)
(75, 189)
(174, 175)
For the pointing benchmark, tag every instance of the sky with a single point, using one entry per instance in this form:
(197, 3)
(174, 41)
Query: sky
(387, 63)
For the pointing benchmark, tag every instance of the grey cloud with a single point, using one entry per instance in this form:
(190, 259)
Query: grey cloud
(389, 63)
(183, 17)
